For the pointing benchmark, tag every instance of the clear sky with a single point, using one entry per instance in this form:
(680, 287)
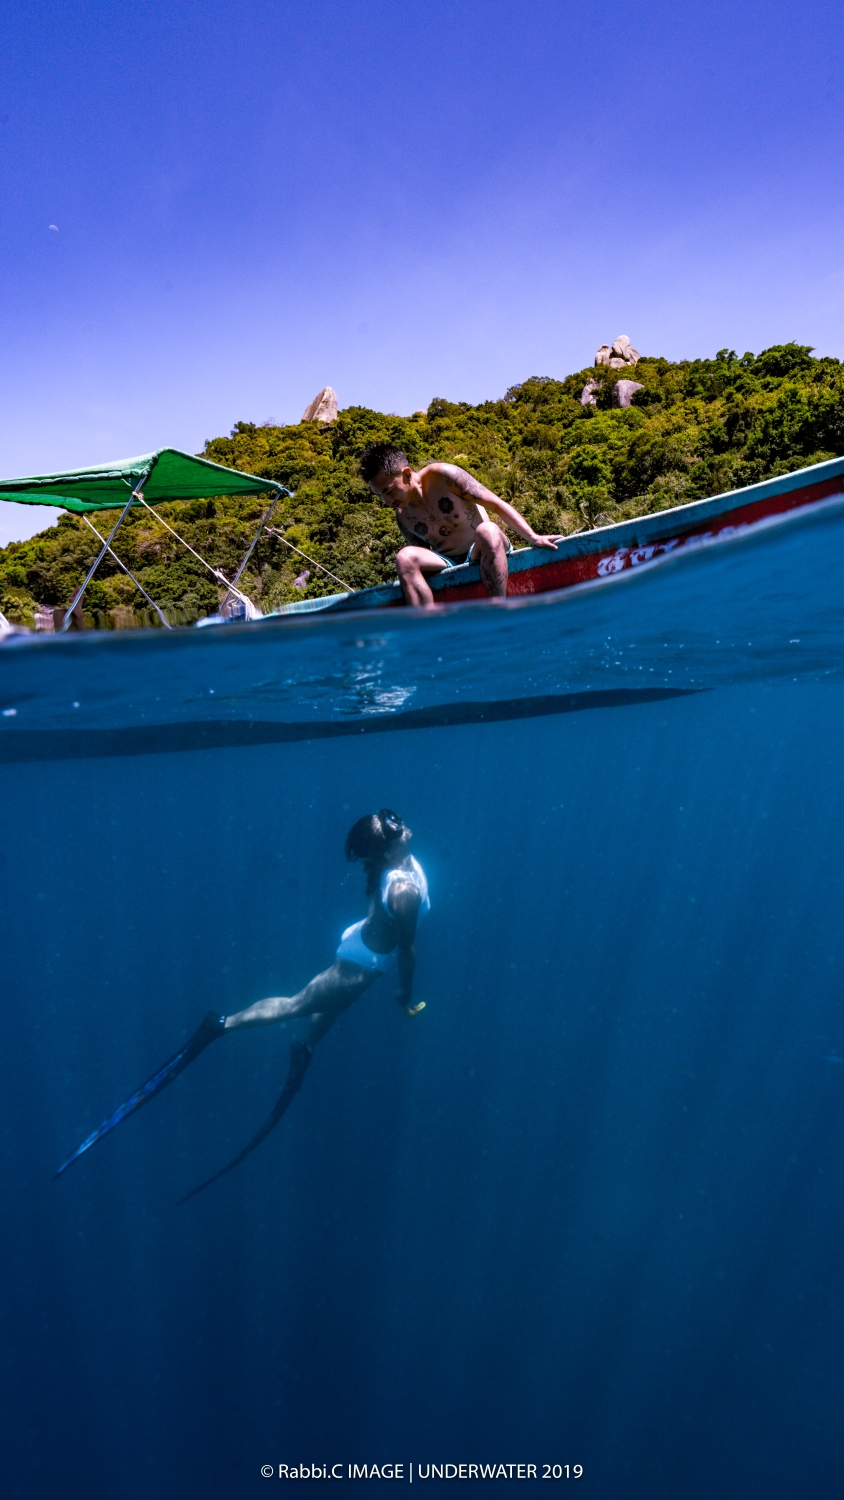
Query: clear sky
(254, 200)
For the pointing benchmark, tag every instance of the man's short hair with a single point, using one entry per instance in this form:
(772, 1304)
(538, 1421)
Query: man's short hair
(381, 458)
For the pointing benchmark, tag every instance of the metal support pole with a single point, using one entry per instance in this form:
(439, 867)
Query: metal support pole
(139, 586)
(106, 545)
(255, 540)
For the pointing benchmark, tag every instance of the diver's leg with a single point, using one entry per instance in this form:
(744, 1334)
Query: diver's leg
(490, 549)
(212, 1027)
(412, 563)
(332, 990)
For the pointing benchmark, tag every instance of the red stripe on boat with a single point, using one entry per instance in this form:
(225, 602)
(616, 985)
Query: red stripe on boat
(561, 573)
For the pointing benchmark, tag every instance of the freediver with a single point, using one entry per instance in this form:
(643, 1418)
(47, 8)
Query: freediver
(398, 897)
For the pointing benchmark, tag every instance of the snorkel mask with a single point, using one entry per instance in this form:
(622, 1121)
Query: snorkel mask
(391, 824)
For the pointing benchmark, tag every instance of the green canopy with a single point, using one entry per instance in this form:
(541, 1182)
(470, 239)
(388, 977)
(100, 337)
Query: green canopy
(171, 475)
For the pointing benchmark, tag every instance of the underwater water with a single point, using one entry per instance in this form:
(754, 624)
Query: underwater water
(588, 1207)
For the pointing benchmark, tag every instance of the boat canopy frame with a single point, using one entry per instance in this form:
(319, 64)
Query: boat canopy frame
(152, 478)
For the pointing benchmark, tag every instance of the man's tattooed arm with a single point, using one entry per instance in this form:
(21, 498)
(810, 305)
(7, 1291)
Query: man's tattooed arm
(464, 485)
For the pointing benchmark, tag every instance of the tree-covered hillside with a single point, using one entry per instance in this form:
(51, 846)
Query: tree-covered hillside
(698, 427)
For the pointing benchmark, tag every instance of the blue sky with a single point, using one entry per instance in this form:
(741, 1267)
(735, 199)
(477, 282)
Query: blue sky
(401, 200)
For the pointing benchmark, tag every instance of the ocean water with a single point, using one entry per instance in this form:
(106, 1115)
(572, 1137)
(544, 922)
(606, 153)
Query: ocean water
(588, 1207)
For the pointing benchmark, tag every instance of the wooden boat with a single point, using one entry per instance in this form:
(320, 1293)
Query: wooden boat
(586, 556)
(609, 550)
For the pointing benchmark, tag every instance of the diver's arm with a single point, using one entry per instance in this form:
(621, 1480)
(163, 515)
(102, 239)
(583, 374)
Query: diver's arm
(407, 964)
(404, 910)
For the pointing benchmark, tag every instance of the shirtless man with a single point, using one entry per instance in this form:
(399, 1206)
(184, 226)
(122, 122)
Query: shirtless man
(442, 513)
(383, 943)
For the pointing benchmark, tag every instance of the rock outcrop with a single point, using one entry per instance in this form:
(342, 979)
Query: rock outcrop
(618, 354)
(323, 408)
(624, 390)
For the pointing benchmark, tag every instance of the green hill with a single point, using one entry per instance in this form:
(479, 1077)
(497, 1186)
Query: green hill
(698, 427)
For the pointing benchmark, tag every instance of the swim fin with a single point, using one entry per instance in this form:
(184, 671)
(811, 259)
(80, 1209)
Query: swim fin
(212, 1027)
(300, 1057)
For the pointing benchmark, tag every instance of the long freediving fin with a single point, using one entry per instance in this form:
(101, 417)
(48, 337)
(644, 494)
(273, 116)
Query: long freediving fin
(300, 1057)
(212, 1027)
